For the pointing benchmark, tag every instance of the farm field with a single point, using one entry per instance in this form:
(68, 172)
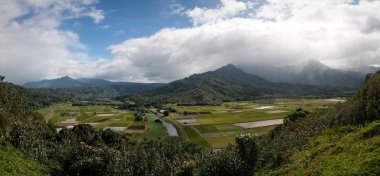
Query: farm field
(105, 117)
(210, 126)
(217, 126)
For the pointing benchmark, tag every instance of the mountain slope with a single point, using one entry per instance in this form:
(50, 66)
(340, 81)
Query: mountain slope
(68, 89)
(311, 72)
(229, 83)
(56, 83)
(342, 140)
(218, 85)
(12, 162)
(338, 151)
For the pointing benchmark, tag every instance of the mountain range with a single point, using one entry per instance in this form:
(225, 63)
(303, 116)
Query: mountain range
(228, 83)
(67, 82)
(312, 72)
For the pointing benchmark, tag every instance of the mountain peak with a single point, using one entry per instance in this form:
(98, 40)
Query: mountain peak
(66, 78)
(314, 63)
(228, 68)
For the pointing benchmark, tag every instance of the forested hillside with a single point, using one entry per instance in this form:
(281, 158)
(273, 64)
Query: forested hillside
(230, 83)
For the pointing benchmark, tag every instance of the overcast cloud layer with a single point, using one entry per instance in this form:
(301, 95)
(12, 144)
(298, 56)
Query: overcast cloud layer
(336, 32)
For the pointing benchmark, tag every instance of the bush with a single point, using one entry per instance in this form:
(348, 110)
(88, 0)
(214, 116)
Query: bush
(296, 115)
(372, 131)
(247, 148)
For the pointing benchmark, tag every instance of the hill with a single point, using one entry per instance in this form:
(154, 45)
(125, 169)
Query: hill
(346, 150)
(338, 141)
(230, 83)
(67, 82)
(12, 162)
(68, 89)
(311, 72)
(58, 83)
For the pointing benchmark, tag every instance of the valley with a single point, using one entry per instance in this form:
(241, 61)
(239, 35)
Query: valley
(209, 126)
(189, 88)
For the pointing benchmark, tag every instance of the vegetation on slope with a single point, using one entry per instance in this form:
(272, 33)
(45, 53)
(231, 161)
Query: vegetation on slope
(277, 149)
(12, 162)
(230, 84)
(347, 150)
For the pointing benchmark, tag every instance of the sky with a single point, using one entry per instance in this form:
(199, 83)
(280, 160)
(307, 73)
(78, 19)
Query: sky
(165, 40)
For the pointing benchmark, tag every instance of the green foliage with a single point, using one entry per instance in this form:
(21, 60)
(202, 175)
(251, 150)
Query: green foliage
(296, 115)
(336, 151)
(247, 148)
(372, 130)
(186, 169)
(12, 162)
(166, 113)
(224, 163)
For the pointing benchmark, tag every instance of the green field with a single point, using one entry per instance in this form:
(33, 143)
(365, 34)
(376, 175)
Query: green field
(195, 137)
(217, 130)
(105, 117)
(155, 130)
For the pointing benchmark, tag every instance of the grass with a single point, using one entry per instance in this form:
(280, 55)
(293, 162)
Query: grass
(155, 130)
(238, 117)
(206, 128)
(228, 127)
(201, 108)
(135, 137)
(221, 141)
(13, 162)
(338, 151)
(195, 137)
(220, 122)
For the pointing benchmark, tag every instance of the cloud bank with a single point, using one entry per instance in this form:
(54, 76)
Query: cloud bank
(336, 32)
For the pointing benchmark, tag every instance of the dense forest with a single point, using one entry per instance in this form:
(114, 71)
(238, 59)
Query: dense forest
(325, 142)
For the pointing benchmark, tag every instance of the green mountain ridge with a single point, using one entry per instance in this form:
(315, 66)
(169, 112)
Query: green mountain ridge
(230, 83)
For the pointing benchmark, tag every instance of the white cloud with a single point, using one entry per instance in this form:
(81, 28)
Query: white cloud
(32, 44)
(277, 32)
(228, 9)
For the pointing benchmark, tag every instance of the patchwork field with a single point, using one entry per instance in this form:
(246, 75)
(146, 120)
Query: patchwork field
(217, 126)
(210, 126)
(104, 117)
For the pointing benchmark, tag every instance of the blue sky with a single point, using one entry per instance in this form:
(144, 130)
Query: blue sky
(125, 19)
(166, 40)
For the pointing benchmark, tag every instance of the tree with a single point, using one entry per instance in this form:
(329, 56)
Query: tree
(247, 148)
(2, 78)
(299, 113)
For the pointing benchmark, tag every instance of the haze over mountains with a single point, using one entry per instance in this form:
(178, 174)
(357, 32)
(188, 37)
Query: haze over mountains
(312, 72)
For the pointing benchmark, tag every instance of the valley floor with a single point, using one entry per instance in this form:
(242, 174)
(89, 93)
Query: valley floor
(209, 126)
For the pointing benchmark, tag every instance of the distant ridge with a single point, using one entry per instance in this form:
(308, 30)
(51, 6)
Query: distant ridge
(65, 81)
(311, 72)
(92, 86)
(229, 83)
